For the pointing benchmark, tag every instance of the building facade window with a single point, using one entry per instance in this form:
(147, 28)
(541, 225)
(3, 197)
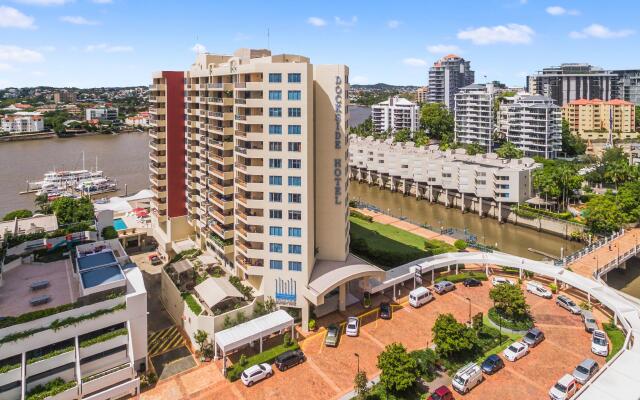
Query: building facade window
(295, 198)
(275, 264)
(275, 146)
(295, 146)
(275, 180)
(294, 95)
(275, 197)
(275, 129)
(275, 231)
(295, 215)
(275, 214)
(295, 266)
(295, 163)
(275, 78)
(295, 249)
(295, 232)
(293, 112)
(275, 95)
(294, 181)
(294, 77)
(294, 129)
(275, 112)
(275, 163)
(275, 247)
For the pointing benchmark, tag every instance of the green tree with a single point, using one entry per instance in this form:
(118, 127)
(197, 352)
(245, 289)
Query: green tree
(460, 244)
(426, 361)
(42, 204)
(452, 338)
(17, 214)
(474, 148)
(403, 135)
(420, 138)
(603, 214)
(364, 129)
(617, 171)
(398, 369)
(201, 338)
(637, 118)
(69, 210)
(109, 232)
(613, 154)
(437, 120)
(510, 302)
(572, 145)
(509, 150)
(360, 385)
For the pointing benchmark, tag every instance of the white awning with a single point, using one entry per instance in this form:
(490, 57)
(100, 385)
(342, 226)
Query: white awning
(245, 333)
(214, 290)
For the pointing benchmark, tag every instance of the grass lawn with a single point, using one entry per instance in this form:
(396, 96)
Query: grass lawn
(616, 337)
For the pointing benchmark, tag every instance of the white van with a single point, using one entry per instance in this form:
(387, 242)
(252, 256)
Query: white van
(420, 296)
(539, 290)
(467, 378)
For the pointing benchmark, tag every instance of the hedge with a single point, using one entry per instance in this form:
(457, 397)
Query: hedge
(616, 337)
(192, 303)
(456, 278)
(267, 356)
(9, 367)
(104, 337)
(50, 354)
(358, 214)
(50, 389)
(506, 323)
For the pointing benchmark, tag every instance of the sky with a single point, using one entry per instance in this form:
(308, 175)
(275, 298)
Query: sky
(93, 43)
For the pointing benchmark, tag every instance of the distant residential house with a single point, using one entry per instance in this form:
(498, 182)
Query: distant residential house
(17, 107)
(141, 119)
(23, 122)
(102, 113)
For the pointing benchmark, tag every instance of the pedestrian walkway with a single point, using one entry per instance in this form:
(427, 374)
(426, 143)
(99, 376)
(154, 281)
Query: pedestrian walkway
(608, 256)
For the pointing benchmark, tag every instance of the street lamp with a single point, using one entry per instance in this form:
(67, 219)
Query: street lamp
(358, 362)
(469, 300)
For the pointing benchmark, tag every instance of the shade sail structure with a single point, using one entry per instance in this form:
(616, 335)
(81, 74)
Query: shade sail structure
(215, 290)
(250, 331)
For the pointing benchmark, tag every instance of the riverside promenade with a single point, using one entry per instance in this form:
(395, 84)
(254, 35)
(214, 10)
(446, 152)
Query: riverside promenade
(610, 254)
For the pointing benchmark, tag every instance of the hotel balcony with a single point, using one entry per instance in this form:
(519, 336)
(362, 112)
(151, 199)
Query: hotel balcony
(157, 99)
(157, 168)
(158, 180)
(158, 156)
(220, 217)
(221, 144)
(251, 233)
(157, 145)
(257, 85)
(226, 246)
(226, 234)
(253, 266)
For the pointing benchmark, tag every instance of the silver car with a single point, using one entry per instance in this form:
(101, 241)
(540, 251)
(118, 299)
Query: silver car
(590, 323)
(585, 370)
(568, 304)
(443, 287)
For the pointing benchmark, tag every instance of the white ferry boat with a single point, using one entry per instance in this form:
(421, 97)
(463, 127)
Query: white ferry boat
(97, 186)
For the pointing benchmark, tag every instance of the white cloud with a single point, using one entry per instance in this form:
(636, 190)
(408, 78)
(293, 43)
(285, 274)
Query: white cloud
(48, 49)
(600, 32)
(346, 22)
(414, 62)
(393, 24)
(38, 73)
(443, 48)
(78, 20)
(315, 21)
(12, 18)
(5, 67)
(10, 53)
(44, 2)
(102, 1)
(510, 33)
(557, 11)
(199, 48)
(107, 48)
(358, 80)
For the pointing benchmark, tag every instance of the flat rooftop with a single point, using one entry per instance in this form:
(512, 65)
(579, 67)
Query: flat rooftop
(95, 260)
(16, 292)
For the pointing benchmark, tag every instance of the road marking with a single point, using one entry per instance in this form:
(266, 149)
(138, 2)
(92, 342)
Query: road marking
(324, 376)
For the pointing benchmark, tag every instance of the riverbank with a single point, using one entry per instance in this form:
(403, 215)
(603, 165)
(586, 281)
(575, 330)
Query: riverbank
(27, 136)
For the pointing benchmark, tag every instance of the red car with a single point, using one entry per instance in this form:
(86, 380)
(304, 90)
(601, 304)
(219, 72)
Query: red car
(154, 259)
(441, 393)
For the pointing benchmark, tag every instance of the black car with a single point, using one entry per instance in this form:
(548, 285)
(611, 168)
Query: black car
(289, 359)
(385, 311)
(533, 337)
(472, 282)
(492, 364)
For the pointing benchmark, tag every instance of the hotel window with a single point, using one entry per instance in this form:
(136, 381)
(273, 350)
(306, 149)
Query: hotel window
(295, 181)
(295, 249)
(295, 232)
(275, 146)
(275, 78)
(275, 197)
(295, 146)
(276, 230)
(294, 95)
(275, 95)
(294, 78)
(275, 163)
(295, 198)
(295, 163)
(275, 264)
(275, 247)
(295, 266)
(294, 112)
(275, 214)
(275, 112)
(294, 129)
(275, 129)
(275, 180)
(295, 215)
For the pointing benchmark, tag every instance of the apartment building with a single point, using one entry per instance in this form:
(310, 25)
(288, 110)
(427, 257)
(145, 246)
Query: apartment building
(473, 115)
(448, 75)
(452, 178)
(533, 123)
(422, 95)
(77, 325)
(140, 119)
(634, 154)
(107, 114)
(594, 119)
(394, 114)
(571, 81)
(23, 122)
(627, 85)
(64, 96)
(261, 140)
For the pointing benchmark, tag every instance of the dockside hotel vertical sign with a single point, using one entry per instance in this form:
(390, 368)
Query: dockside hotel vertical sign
(337, 162)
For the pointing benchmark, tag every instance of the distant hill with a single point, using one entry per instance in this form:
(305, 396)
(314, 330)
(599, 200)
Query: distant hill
(385, 87)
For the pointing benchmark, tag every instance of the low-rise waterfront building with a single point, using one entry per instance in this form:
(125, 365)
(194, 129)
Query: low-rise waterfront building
(593, 119)
(140, 119)
(23, 122)
(78, 325)
(394, 114)
(25, 226)
(106, 114)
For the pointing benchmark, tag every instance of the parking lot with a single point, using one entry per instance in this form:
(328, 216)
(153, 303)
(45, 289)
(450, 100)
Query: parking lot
(328, 372)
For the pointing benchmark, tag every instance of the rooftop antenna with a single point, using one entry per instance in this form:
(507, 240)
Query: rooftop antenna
(268, 40)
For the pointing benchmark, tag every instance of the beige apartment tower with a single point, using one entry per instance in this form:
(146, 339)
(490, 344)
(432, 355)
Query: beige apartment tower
(249, 160)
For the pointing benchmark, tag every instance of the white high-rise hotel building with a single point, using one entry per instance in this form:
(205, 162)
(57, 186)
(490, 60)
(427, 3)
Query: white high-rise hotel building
(249, 158)
(394, 114)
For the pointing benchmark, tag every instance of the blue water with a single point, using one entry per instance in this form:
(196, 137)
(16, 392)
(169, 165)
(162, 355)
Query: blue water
(101, 276)
(119, 224)
(95, 260)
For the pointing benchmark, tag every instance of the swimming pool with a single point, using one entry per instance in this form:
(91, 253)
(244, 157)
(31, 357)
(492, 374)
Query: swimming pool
(119, 224)
(96, 260)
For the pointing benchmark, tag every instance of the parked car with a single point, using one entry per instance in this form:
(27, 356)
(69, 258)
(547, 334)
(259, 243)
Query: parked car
(492, 364)
(443, 287)
(589, 321)
(154, 259)
(585, 370)
(467, 378)
(385, 310)
(353, 326)
(499, 280)
(333, 334)
(441, 393)
(472, 282)
(599, 343)
(538, 289)
(533, 337)
(515, 351)
(289, 359)
(568, 304)
(420, 296)
(564, 388)
(256, 373)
